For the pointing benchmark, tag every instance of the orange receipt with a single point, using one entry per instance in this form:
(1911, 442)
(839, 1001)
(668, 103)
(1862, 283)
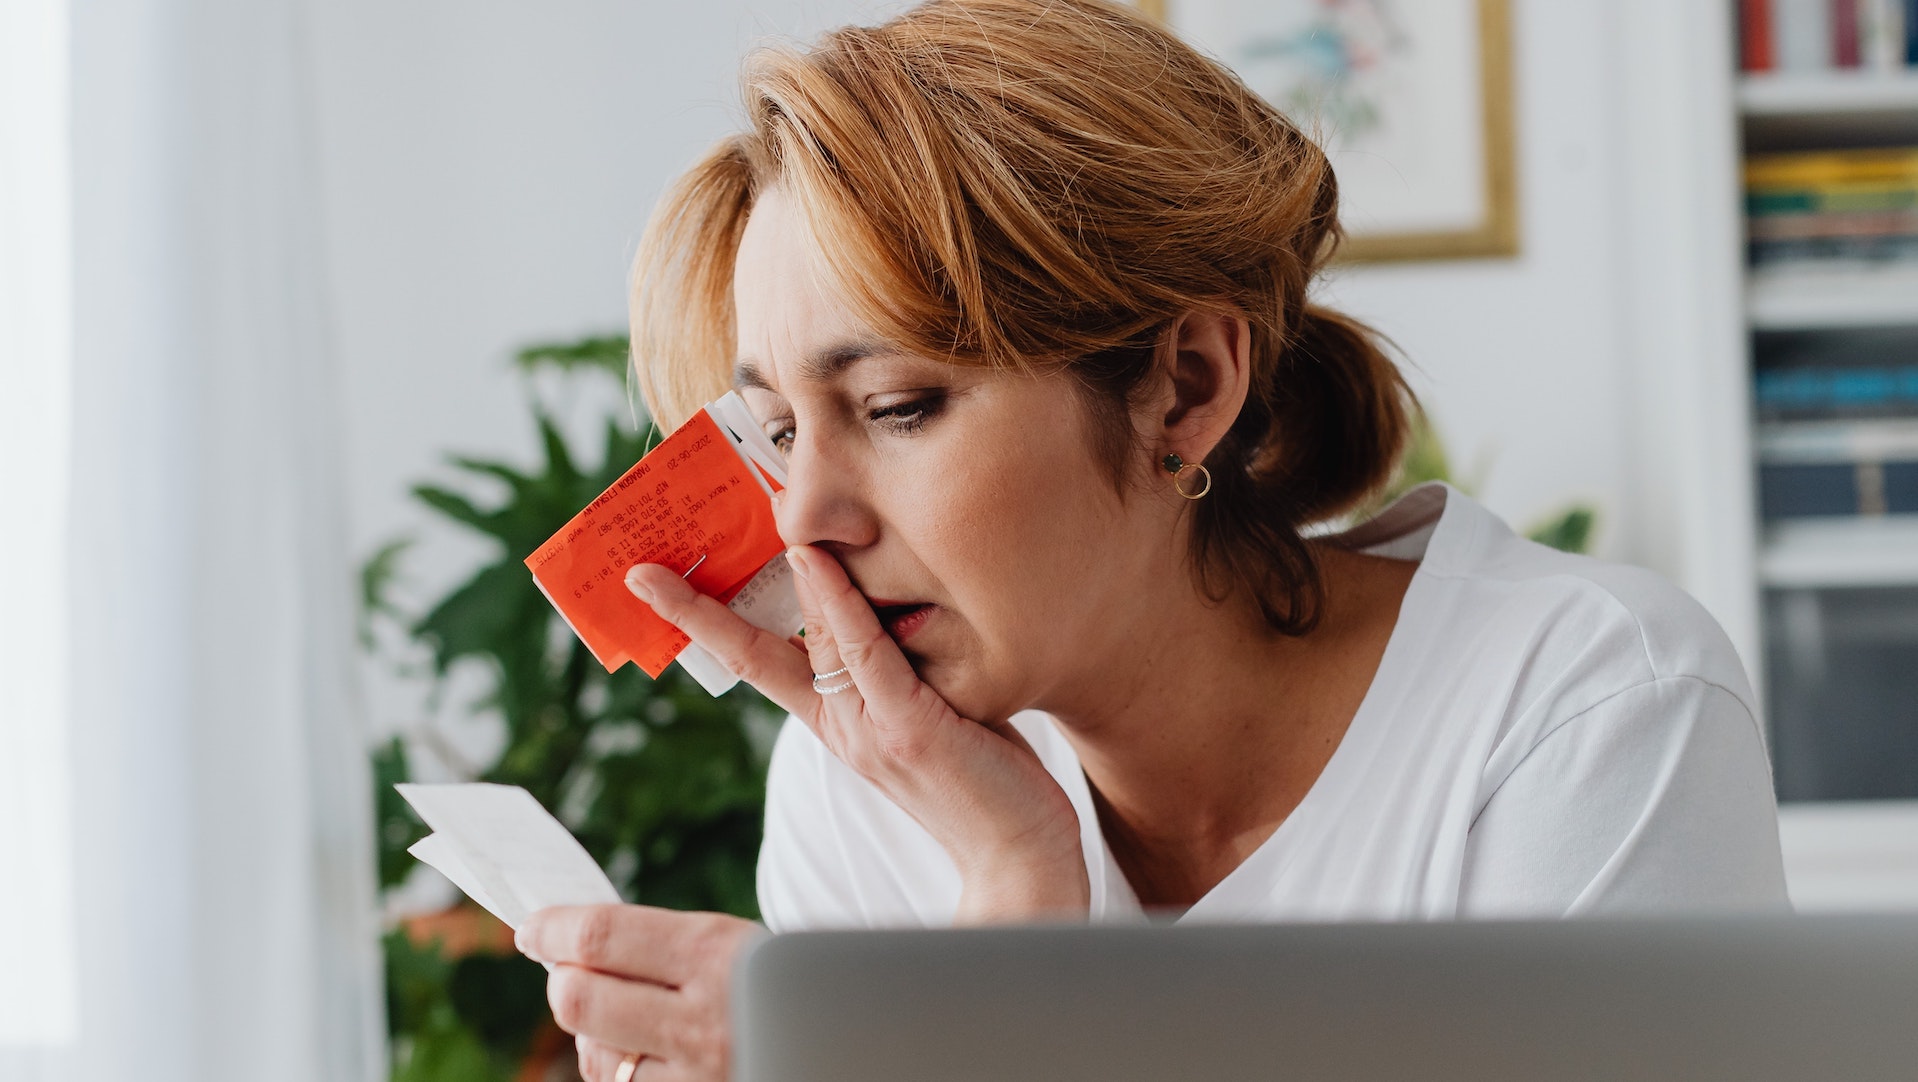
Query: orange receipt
(699, 503)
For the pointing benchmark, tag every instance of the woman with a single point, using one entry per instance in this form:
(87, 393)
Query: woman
(1021, 289)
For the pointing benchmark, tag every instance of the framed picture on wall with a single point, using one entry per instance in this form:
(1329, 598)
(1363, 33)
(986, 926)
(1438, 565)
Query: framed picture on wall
(1412, 99)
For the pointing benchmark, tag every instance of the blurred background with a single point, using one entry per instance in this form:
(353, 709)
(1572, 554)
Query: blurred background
(310, 318)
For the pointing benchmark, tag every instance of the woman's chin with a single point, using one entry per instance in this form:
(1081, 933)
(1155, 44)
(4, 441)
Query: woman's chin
(964, 688)
(940, 677)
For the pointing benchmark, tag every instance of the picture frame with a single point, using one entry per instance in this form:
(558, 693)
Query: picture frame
(1412, 100)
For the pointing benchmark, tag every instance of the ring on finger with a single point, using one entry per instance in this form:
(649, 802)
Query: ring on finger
(829, 683)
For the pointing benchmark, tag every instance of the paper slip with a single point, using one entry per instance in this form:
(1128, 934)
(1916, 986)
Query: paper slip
(699, 503)
(506, 852)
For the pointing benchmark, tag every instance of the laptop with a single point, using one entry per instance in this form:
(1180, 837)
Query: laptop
(1751, 999)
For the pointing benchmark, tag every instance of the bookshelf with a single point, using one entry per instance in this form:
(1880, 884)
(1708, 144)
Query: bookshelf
(1817, 111)
(1851, 856)
(1852, 853)
(1821, 554)
(1786, 110)
(1832, 299)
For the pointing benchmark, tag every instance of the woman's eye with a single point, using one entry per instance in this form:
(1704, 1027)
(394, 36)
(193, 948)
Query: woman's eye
(780, 431)
(911, 415)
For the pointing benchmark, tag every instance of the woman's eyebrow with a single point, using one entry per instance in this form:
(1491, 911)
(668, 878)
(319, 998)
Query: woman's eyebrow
(822, 366)
(746, 374)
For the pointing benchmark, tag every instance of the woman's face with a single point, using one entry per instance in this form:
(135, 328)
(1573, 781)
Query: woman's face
(966, 504)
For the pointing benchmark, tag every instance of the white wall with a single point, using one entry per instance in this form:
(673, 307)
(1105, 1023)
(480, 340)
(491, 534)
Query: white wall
(1519, 359)
(488, 169)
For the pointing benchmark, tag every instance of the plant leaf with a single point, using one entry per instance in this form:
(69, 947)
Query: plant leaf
(501, 998)
(605, 353)
(559, 460)
(394, 819)
(458, 508)
(376, 579)
(1568, 531)
(491, 614)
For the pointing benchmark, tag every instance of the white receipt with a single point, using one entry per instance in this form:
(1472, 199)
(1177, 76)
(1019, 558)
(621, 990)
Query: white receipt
(506, 852)
(769, 603)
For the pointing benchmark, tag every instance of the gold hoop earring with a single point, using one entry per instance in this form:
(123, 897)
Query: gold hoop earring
(1178, 467)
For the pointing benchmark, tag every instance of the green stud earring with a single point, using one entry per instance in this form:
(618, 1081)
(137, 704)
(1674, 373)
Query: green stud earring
(1179, 468)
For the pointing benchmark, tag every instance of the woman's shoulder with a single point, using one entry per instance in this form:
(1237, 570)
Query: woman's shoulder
(1504, 642)
(1567, 613)
(1606, 739)
(1675, 634)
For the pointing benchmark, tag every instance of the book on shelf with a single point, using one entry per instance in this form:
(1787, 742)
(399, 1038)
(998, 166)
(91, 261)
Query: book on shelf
(1855, 206)
(1801, 36)
(1836, 392)
(1838, 468)
(1846, 49)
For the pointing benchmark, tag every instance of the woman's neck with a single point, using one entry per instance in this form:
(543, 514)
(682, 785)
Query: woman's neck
(1203, 739)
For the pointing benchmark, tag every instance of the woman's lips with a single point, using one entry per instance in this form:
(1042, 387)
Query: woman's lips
(901, 619)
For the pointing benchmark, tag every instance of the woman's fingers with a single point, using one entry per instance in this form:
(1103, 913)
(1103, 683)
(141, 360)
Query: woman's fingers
(822, 653)
(637, 979)
(599, 1062)
(759, 657)
(663, 946)
(886, 683)
(617, 1012)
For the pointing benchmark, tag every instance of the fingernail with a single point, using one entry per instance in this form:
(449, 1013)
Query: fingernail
(637, 584)
(796, 557)
(523, 940)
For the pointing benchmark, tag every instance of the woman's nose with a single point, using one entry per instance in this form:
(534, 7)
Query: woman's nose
(823, 502)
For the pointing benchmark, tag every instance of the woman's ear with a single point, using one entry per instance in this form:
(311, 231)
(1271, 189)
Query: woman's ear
(1210, 370)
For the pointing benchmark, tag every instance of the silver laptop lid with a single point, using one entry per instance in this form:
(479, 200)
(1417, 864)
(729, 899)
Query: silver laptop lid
(1747, 999)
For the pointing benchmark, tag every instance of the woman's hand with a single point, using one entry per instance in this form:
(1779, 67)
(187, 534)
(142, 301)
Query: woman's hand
(977, 788)
(630, 979)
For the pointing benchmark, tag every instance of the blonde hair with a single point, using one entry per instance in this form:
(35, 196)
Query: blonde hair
(1051, 184)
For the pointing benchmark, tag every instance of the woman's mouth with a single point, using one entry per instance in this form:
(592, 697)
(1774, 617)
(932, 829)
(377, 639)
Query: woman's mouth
(901, 619)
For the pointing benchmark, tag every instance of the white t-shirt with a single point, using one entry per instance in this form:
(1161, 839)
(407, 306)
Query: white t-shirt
(1546, 735)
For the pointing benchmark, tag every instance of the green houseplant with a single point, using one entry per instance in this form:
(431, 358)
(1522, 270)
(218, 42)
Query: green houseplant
(663, 784)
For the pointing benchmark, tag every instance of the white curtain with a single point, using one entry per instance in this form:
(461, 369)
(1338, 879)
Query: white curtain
(37, 995)
(225, 921)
